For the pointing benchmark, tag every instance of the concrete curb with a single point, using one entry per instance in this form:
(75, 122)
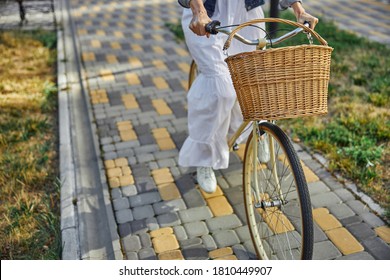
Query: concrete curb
(87, 221)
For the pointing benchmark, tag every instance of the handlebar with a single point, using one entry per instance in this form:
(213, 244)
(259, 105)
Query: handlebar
(214, 27)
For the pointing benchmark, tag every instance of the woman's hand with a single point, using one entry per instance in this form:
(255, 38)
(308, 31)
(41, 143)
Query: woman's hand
(302, 16)
(199, 18)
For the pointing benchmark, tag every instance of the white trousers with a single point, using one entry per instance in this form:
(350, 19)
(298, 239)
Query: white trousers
(213, 113)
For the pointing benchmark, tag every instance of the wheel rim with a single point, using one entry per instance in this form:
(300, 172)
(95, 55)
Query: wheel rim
(274, 217)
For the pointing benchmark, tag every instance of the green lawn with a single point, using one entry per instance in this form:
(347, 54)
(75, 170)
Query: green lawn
(29, 188)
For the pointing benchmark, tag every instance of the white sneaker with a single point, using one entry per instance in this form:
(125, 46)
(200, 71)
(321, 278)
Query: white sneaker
(206, 179)
(263, 148)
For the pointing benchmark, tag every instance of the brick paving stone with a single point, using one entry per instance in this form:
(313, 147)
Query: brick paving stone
(131, 243)
(139, 226)
(226, 238)
(240, 251)
(144, 199)
(169, 206)
(219, 206)
(325, 200)
(145, 184)
(195, 214)
(341, 211)
(129, 190)
(169, 191)
(317, 188)
(344, 195)
(377, 248)
(222, 252)
(319, 234)
(243, 233)
(116, 193)
(358, 207)
(361, 231)
(131, 256)
(208, 242)
(120, 203)
(180, 233)
(325, 220)
(165, 243)
(147, 254)
(124, 230)
(223, 223)
(124, 216)
(196, 229)
(171, 255)
(143, 212)
(195, 253)
(351, 220)
(146, 240)
(384, 233)
(372, 219)
(234, 195)
(357, 256)
(195, 241)
(168, 219)
(344, 241)
(325, 250)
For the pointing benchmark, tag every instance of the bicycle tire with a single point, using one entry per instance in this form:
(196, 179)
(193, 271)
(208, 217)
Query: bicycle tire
(280, 223)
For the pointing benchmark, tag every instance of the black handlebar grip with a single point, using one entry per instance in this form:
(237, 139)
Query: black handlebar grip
(211, 27)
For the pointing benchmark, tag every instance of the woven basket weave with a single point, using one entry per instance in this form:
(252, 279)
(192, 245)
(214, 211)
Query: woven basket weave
(280, 83)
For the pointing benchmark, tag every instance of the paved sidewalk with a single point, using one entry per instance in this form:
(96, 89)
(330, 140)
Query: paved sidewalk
(135, 78)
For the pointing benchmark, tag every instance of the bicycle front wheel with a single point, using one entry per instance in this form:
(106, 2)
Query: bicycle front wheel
(276, 197)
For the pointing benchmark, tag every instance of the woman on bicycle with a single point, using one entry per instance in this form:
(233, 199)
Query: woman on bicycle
(213, 114)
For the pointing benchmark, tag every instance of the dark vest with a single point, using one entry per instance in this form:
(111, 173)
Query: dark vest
(249, 5)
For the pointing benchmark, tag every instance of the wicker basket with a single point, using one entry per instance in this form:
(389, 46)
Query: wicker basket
(280, 83)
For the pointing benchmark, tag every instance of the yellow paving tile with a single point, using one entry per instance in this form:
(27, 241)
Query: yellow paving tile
(99, 96)
(227, 258)
(159, 133)
(171, 255)
(111, 58)
(218, 192)
(88, 56)
(344, 241)
(222, 252)
(165, 243)
(169, 191)
(136, 47)
(132, 79)
(114, 182)
(104, 24)
(100, 32)
(163, 177)
(161, 107)
(120, 162)
(159, 64)
(138, 36)
(166, 144)
(161, 231)
(118, 34)
(160, 83)
(158, 50)
(185, 67)
(114, 172)
(184, 84)
(129, 101)
(82, 32)
(135, 62)
(124, 125)
(276, 220)
(126, 180)
(128, 135)
(158, 37)
(96, 44)
(309, 174)
(325, 220)
(109, 163)
(107, 75)
(384, 233)
(115, 45)
(181, 52)
(219, 206)
(121, 25)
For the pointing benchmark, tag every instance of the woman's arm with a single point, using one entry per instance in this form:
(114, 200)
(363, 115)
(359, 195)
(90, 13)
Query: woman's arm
(199, 17)
(299, 12)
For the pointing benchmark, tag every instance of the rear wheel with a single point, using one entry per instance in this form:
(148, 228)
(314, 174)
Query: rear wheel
(276, 197)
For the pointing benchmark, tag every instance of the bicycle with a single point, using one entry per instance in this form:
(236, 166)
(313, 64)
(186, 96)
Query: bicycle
(276, 196)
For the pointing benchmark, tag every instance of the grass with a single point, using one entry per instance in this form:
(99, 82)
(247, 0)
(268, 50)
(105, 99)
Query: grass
(29, 188)
(354, 135)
